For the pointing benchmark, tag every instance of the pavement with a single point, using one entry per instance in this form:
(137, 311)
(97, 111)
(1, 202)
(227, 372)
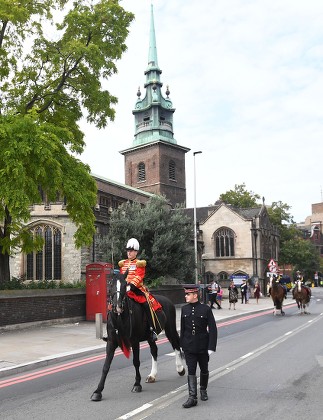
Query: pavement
(42, 345)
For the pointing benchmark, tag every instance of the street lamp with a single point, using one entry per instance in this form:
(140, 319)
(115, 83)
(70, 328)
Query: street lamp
(195, 222)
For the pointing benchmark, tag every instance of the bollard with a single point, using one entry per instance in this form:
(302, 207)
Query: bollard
(98, 326)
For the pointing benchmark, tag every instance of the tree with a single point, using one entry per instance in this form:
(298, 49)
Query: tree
(46, 85)
(240, 197)
(164, 235)
(302, 255)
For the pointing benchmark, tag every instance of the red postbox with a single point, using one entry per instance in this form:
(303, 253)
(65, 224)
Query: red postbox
(97, 276)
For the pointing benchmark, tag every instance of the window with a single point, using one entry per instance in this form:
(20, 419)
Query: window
(223, 276)
(172, 171)
(46, 264)
(224, 242)
(141, 172)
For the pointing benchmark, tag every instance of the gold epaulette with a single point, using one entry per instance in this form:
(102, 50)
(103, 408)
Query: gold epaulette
(141, 263)
(121, 263)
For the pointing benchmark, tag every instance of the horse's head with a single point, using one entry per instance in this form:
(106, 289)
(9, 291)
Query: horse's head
(298, 284)
(117, 288)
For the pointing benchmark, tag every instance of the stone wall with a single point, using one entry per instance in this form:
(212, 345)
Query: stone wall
(20, 307)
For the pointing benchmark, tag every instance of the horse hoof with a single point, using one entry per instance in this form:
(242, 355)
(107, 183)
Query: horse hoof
(96, 396)
(182, 372)
(137, 388)
(150, 380)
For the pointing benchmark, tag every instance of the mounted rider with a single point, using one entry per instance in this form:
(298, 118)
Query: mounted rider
(139, 292)
(299, 277)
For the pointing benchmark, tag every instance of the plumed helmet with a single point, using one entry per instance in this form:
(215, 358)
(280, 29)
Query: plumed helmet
(132, 244)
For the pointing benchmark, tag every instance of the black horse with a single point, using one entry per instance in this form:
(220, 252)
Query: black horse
(127, 326)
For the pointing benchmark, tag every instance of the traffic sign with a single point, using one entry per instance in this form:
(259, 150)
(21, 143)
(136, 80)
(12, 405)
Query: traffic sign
(272, 266)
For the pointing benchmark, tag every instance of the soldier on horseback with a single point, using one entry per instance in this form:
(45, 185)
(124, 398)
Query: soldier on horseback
(139, 292)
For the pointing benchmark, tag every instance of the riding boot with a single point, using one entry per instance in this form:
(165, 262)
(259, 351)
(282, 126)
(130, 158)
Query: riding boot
(192, 392)
(153, 334)
(204, 379)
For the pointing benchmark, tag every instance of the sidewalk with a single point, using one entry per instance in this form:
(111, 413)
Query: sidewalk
(39, 346)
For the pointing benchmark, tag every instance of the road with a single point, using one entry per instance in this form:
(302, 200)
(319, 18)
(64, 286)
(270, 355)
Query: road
(265, 367)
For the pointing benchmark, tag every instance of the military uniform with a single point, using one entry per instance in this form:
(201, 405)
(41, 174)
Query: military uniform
(198, 329)
(198, 337)
(136, 273)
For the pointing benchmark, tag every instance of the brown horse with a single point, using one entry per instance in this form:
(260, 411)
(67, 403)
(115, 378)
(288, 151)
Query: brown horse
(277, 293)
(302, 295)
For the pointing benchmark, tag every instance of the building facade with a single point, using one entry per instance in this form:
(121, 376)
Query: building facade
(234, 242)
(60, 259)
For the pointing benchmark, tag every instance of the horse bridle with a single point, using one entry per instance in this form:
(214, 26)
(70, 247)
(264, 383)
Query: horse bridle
(115, 297)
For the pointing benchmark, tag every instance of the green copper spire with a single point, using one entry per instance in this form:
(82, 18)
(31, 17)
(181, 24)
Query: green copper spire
(152, 54)
(154, 113)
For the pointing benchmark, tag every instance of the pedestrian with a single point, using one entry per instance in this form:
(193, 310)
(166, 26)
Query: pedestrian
(213, 291)
(136, 272)
(219, 296)
(244, 290)
(257, 291)
(198, 337)
(233, 294)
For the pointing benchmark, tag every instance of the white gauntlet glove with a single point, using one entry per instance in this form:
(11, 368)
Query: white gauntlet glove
(210, 352)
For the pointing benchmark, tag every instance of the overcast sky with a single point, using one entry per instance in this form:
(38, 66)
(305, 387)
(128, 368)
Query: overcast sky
(245, 77)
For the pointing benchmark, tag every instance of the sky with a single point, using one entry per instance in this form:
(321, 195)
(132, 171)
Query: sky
(245, 78)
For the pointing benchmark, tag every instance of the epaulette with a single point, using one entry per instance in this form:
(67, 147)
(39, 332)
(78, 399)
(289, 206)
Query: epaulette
(141, 263)
(121, 263)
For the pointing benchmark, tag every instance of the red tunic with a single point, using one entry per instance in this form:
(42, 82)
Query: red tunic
(136, 274)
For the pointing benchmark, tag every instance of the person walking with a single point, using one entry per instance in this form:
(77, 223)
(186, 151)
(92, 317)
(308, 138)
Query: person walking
(198, 337)
(244, 291)
(256, 291)
(233, 295)
(213, 291)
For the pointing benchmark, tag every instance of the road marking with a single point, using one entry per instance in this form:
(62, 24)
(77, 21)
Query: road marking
(136, 411)
(181, 392)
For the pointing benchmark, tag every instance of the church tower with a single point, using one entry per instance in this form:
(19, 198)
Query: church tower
(155, 163)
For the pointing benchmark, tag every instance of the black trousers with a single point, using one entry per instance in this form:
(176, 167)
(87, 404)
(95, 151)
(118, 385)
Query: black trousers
(192, 359)
(213, 299)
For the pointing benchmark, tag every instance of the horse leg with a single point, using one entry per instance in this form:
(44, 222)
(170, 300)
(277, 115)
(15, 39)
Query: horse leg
(136, 362)
(110, 349)
(173, 338)
(151, 378)
(179, 362)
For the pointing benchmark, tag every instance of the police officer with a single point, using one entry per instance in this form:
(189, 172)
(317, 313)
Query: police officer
(198, 340)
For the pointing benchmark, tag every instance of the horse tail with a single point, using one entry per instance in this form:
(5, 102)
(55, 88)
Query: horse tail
(170, 323)
(122, 337)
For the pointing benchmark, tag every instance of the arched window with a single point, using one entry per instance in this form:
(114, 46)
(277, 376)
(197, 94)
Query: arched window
(141, 172)
(46, 264)
(223, 275)
(224, 242)
(172, 170)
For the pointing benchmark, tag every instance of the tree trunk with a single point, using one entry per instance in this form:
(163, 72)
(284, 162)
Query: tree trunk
(4, 268)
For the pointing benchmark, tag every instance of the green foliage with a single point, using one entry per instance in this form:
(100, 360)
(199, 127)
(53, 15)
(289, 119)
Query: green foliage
(19, 284)
(302, 255)
(52, 69)
(240, 197)
(165, 238)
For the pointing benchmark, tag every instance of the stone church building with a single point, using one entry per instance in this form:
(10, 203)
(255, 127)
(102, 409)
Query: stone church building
(230, 241)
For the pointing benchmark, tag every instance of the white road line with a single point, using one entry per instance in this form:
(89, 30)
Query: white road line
(165, 400)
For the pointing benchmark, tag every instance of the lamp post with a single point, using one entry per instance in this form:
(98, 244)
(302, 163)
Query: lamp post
(195, 222)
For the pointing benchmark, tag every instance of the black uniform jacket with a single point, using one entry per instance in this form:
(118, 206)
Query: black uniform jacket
(198, 328)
